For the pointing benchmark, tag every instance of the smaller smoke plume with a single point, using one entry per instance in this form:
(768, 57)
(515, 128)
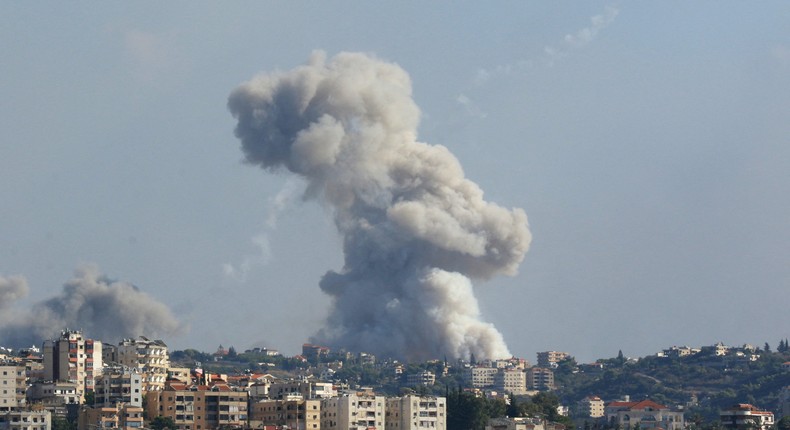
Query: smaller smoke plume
(102, 308)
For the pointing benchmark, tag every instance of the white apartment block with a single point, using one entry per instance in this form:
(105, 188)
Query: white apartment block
(353, 412)
(416, 413)
(73, 358)
(12, 386)
(25, 420)
(150, 356)
(119, 384)
(306, 389)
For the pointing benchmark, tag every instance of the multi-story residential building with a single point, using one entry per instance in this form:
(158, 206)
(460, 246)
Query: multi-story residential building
(150, 356)
(292, 411)
(119, 384)
(356, 411)
(424, 378)
(416, 413)
(307, 389)
(21, 419)
(515, 423)
(480, 377)
(314, 352)
(198, 407)
(119, 416)
(53, 394)
(591, 407)
(540, 378)
(511, 381)
(645, 413)
(73, 358)
(744, 416)
(551, 358)
(12, 386)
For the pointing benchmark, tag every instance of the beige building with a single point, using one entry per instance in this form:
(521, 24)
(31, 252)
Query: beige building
(744, 416)
(540, 378)
(511, 381)
(119, 384)
(53, 394)
(646, 413)
(416, 413)
(198, 407)
(26, 420)
(150, 356)
(358, 411)
(551, 358)
(424, 378)
(304, 388)
(12, 386)
(480, 377)
(73, 358)
(292, 411)
(119, 416)
(591, 406)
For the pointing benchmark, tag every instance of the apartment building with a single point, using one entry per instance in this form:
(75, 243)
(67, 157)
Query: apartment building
(591, 407)
(119, 384)
(307, 389)
(540, 378)
(12, 386)
(199, 407)
(480, 377)
(416, 413)
(424, 378)
(511, 381)
(118, 416)
(744, 416)
(356, 411)
(551, 358)
(26, 420)
(150, 356)
(73, 358)
(53, 394)
(292, 411)
(645, 413)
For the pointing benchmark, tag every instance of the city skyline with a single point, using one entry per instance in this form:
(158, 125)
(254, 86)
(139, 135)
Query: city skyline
(645, 142)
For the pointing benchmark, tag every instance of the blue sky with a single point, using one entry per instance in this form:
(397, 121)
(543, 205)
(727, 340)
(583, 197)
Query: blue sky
(647, 143)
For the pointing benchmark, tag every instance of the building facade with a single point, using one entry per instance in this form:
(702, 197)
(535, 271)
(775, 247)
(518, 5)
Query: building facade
(744, 416)
(591, 407)
(199, 407)
(12, 386)
(26, 420)
(647, 414)
(540, 378)
(358, 411)
(416, 413)
(73, 358)
(551, 358)
(150, 356)
(292, 411)
(119, 384)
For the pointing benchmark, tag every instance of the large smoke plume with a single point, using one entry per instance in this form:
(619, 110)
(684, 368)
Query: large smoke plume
(104, 309)
(415, 229)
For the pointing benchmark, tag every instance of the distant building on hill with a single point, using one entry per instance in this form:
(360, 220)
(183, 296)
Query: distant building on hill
(591, 407)
(646, 413)
(551, 358)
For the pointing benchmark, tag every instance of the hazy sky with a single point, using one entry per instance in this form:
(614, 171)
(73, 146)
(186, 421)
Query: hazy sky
(648, 143)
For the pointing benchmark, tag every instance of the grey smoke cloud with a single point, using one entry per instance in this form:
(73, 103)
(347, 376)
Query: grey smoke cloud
(104, 309)
(415, 230)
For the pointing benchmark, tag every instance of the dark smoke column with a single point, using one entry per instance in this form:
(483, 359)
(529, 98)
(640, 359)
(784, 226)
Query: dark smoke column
(415, 230)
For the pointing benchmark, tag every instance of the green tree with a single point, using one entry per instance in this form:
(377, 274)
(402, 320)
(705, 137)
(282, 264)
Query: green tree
(783, 424)
(60, 423)
(162, 423)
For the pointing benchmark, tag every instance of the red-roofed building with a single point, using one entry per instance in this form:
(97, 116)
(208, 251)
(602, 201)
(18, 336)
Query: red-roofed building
(746, 416)
(645, 413)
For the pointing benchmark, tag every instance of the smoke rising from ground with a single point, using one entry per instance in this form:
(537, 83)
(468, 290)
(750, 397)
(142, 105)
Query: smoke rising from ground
(415, 229)
(103, 309)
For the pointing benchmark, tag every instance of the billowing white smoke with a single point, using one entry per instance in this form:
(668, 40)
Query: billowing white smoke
(415, 230)
(104, 309)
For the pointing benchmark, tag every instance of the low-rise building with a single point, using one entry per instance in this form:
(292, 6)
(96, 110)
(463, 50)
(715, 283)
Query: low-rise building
(551, 358)
(21, 419)
(424, 378)
(646, 413)
(744, 416)
(591, 407)
(118, 416)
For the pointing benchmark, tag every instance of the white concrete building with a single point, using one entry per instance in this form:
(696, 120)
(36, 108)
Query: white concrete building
(747, 417)
(119, 384)
(12, 386)
(150, 356)
(25, 420)
(416, 413)
(358, 411)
